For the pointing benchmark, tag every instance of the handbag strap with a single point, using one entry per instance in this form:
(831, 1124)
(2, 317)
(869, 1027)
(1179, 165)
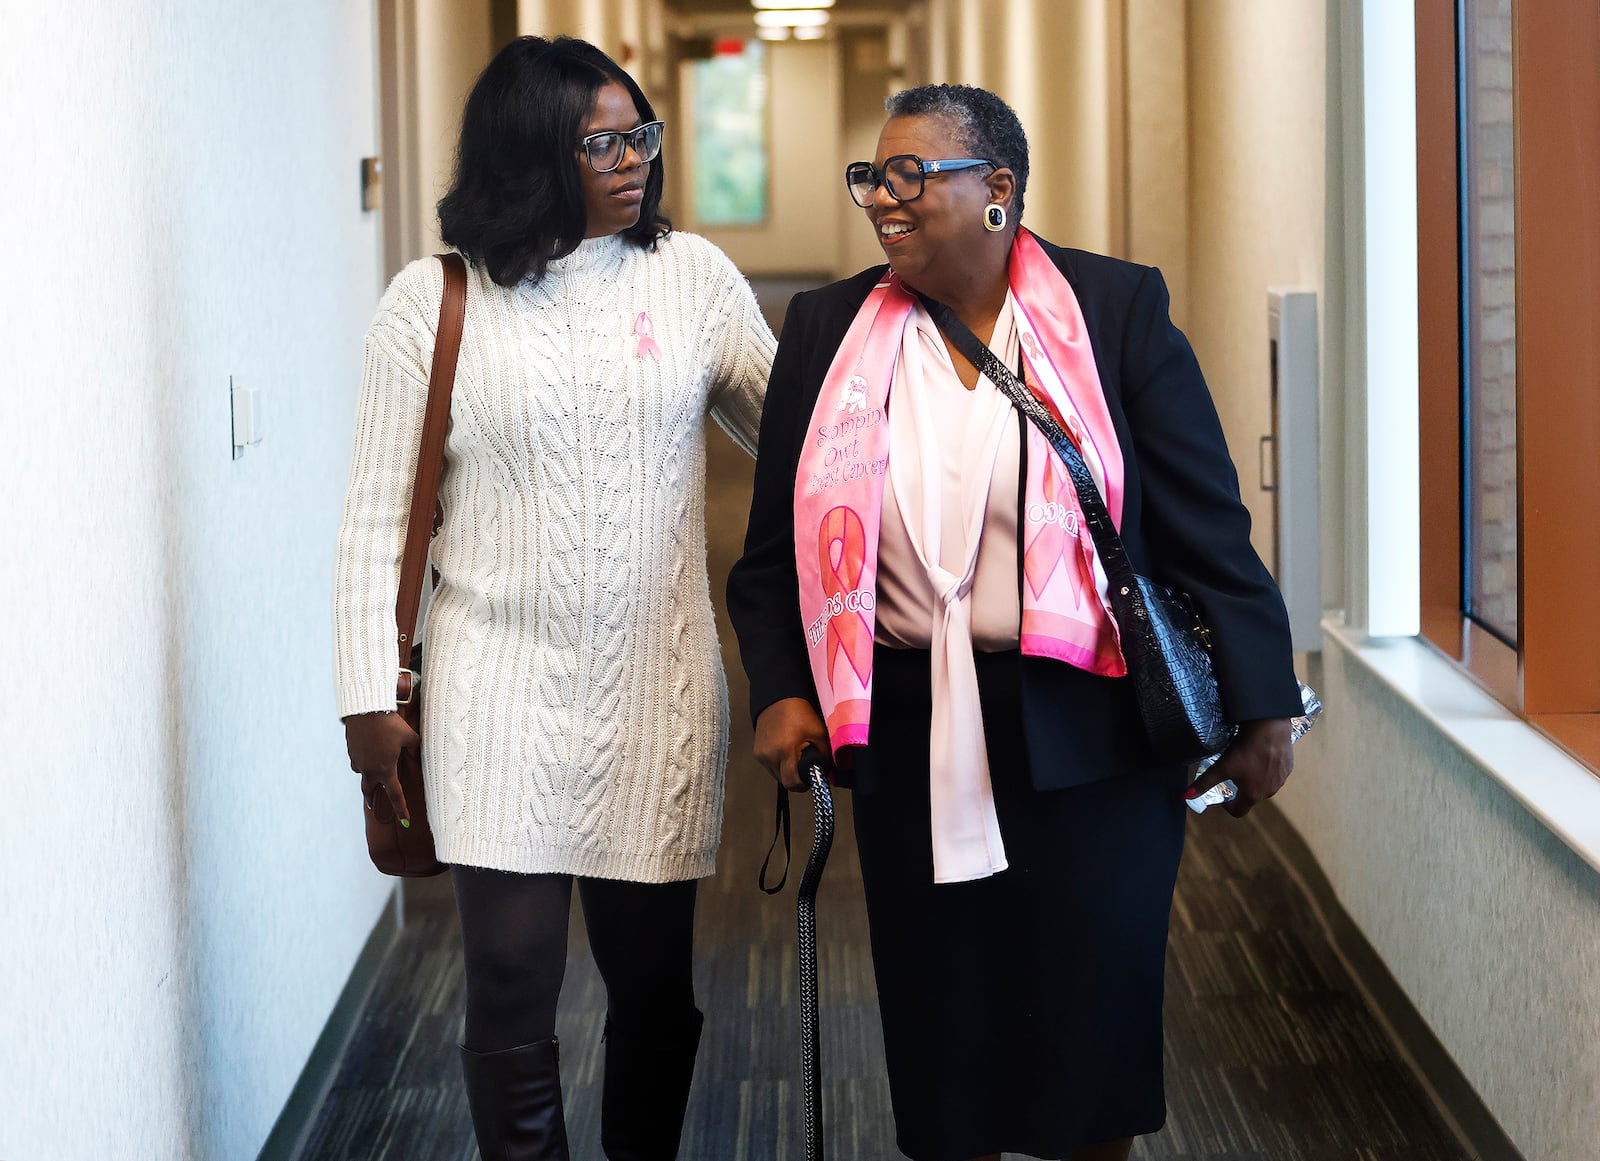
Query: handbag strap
(430, 455)
(1113, 557)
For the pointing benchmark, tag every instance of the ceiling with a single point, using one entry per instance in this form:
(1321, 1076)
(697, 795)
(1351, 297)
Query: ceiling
(690, 7)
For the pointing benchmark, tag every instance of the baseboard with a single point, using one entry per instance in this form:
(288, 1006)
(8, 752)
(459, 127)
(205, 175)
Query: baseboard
(1457, 1101)
(305, 1101)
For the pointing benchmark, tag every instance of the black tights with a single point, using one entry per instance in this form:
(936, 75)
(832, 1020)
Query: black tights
(514, 935)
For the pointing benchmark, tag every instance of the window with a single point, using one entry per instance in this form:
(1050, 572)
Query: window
(729, 134)
(1487, 144)
(1508, 159)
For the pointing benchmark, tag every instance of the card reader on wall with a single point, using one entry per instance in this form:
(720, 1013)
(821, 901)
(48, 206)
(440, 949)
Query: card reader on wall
(1289, 461)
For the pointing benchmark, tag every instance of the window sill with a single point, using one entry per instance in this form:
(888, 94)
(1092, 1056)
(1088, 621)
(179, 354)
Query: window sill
(1556, 788)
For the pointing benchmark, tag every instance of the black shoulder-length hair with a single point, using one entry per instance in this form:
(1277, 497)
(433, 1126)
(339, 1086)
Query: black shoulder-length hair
(516, 202)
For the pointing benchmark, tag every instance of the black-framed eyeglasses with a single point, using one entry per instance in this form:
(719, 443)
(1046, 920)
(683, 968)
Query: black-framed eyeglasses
(605, 151)
(904, 175)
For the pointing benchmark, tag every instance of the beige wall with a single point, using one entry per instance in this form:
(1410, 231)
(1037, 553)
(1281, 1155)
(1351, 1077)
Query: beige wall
(1049, 60)
(807, 200)
(1157, 151)
(866, 85)
(452, 47)
(1256, 198)
(447, 43)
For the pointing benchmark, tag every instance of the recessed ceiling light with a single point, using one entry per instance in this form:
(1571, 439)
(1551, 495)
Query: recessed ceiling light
(773, 33)
(790, 4)
(795, 18)
(810, 33)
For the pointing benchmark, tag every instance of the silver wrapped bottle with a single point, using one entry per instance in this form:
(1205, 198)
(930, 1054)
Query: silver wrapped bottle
(1226, 791)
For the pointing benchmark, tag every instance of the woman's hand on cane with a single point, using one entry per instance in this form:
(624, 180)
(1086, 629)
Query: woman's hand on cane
(783, 730)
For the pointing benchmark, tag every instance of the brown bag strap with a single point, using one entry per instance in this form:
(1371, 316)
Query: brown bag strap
(430, 456)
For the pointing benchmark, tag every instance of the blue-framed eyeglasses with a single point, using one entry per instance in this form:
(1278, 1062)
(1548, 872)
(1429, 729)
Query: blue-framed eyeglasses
(904, 175)
(605, 151)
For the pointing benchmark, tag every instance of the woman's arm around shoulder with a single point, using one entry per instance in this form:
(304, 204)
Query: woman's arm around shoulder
(763, 589)
(736, 341)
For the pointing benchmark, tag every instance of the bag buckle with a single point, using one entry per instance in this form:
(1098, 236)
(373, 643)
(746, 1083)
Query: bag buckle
(406, 686)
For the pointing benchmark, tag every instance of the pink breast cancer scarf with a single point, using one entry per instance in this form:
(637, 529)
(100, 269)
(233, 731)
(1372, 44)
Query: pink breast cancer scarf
(840, 479)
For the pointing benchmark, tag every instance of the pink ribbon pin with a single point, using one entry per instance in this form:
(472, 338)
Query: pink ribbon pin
(645, 330)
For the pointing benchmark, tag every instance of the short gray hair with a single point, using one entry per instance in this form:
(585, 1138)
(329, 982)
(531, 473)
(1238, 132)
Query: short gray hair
(984, 125)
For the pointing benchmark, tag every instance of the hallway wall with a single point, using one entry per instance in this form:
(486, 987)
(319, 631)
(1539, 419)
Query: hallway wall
(1257, 108)
(1050, 61)
(1156, 182)
(185, 887)
(1409, 795)
(1486, 919)
(453, 44)
(806, 197)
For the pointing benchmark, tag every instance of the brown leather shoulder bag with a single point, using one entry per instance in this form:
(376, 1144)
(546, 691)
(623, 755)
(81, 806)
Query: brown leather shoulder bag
(398, 850)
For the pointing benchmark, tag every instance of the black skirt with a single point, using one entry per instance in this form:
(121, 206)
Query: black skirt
(1022, 1012)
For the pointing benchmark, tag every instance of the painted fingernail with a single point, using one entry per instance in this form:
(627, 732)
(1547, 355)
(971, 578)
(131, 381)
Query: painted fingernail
(1192, 793)
(406, 822)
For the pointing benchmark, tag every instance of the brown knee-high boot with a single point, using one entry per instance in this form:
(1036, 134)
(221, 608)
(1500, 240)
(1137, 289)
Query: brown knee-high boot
(515, 1098)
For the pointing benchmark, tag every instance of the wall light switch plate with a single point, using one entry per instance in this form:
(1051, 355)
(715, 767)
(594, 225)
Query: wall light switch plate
(371, 184)
(246, 408)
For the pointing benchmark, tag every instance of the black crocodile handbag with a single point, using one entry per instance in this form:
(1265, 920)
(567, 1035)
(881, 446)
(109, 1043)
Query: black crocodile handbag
(1165, 644)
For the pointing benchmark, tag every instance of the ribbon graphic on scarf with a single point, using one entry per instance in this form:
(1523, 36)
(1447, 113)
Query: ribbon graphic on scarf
(842, 557)
(645, 330)
(1059, 528)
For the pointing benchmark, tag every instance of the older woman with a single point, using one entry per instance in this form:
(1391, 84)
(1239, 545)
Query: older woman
(919, 593)
(576, 714)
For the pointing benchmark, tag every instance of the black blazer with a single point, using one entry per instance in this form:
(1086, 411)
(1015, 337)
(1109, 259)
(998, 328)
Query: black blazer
(1182, 522)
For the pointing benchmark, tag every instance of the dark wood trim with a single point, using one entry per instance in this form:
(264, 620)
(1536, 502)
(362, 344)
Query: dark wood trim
(1452, 1093)
(1550, 677)
(1439, 325)
(1555, 46)
(305, 1101)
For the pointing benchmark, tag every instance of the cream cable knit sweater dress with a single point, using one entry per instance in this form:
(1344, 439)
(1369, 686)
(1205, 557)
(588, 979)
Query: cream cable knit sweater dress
(575, 708)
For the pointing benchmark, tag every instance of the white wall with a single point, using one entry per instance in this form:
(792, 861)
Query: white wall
(185, 887)
(1489, 923)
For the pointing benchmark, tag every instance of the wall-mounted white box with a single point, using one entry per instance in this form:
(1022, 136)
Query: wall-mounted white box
(1291, 474)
